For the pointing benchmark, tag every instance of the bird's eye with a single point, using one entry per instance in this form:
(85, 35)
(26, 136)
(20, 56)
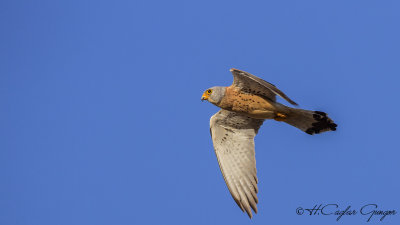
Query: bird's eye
(209, 91)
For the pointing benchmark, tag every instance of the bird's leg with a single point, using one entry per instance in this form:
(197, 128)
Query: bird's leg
(280, 117)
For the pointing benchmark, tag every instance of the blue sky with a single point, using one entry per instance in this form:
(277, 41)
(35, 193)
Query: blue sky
(102, 123)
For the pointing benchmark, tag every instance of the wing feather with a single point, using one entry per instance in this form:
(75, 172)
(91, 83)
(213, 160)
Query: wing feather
(233, 138)
(255, 85)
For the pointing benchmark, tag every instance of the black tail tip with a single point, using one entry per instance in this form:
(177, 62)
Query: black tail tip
(323, 123)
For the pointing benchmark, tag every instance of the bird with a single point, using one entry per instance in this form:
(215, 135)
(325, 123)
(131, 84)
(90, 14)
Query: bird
(245, 105)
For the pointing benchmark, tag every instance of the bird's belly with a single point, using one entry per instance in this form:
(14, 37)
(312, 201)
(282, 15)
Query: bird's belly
(255, 107)
(261, 114)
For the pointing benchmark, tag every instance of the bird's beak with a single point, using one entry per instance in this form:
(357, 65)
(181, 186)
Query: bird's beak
(204, 97)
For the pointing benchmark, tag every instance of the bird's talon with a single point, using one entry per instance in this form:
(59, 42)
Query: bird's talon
(280, 117)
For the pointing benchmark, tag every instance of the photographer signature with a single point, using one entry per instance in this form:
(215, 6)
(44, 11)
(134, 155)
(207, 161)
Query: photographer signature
(369, 210)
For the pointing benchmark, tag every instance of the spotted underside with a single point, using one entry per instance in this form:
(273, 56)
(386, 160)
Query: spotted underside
(251, 105)
(244, 106)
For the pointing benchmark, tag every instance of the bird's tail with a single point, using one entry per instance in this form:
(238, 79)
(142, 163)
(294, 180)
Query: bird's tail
(311, 122)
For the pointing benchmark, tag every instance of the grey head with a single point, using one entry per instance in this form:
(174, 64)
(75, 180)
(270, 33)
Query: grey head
(214, 95)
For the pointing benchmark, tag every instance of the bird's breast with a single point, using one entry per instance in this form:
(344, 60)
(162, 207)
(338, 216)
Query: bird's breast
(252, 105)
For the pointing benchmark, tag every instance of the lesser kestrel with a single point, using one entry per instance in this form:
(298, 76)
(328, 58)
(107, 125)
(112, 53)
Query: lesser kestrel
(244, 107)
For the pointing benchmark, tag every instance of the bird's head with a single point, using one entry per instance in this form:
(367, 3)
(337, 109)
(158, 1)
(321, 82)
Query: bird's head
(214, 95)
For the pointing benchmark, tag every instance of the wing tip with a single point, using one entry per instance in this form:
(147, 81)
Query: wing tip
(234, 70)
(238, 203)
(292, 102)
(248, 210)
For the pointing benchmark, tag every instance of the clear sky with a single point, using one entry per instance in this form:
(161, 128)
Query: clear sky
(101, 121)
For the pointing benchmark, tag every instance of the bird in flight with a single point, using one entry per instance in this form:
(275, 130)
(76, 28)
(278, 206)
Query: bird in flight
(244, 107)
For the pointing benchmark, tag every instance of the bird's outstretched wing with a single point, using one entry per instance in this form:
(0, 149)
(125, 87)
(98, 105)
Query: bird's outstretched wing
(255, 85)
(233, 138)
